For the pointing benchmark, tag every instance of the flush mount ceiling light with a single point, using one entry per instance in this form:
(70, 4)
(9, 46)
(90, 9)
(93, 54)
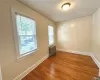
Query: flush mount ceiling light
(65, 6)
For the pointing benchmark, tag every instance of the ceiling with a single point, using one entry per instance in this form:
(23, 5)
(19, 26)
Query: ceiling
(52, 8)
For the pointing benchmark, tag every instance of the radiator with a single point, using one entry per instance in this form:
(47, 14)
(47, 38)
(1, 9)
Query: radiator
(52, 50)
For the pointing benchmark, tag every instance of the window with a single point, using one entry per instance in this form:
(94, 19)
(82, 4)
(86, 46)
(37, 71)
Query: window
(26, 34)
(51, 35)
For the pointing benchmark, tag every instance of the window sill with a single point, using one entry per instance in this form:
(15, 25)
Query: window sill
(27, 54)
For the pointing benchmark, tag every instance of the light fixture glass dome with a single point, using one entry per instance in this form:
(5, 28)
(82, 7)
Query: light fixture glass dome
(66, 6)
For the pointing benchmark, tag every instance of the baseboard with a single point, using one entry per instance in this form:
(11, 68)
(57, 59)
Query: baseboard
(75, 52)
(83, 53)
(96, 61)
(0, 74)
(19, 77)
(22, 75)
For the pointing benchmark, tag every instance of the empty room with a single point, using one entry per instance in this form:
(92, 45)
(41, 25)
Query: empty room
(49, 39)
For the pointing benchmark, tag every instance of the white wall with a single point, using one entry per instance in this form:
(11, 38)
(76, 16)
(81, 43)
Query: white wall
(11, 67)
(75, 35)
(96, 35)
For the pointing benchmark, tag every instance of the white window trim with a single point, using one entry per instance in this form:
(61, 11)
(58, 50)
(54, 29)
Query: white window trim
(16, 40)
(50, 45)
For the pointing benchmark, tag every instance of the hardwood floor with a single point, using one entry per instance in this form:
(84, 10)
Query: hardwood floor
(65, 66)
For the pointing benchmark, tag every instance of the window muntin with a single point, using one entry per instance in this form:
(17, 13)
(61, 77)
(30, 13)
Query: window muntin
(51, 35)
(26, 31)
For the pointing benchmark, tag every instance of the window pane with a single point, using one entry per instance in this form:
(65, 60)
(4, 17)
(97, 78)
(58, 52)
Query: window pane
(25, 26)
(51, 30)
(27, 44)
(51, 41)
(51, 35)
(26, 29)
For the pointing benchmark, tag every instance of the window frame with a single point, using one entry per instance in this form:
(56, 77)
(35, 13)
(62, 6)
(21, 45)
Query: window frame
(53, 36)
(16, 36)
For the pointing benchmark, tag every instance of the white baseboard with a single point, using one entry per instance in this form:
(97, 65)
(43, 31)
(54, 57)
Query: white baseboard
(75, 52)
(83, 53)
(0, 74)
(96, 61)
(99, 71)
(22, 75)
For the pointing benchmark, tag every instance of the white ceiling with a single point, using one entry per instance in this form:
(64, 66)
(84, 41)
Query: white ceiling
(52, 8)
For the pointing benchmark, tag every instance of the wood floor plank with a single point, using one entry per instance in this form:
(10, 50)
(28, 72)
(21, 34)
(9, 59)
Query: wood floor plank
(65, 66)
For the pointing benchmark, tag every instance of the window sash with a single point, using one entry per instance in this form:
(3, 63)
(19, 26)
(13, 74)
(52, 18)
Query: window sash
(51, 35)
(26, 35)
(33, 41)
(21, 24)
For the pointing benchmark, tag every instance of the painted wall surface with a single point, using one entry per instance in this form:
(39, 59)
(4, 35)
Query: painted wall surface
(96, 35)
(75, 35)
(11, 67)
